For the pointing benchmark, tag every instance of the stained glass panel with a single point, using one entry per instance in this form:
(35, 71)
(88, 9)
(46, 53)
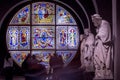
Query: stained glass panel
(67, 56)
(12, 37)
(73, 37)
(43, 56)
(22, 16)
(43, 43)
(64, 17)
(19, 56)
(43, 31)
(61, 37)
(24, 37)
(43, 8)
(43, 13)
(38, 19)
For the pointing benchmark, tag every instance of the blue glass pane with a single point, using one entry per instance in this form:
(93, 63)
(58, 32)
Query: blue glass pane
(43, 43)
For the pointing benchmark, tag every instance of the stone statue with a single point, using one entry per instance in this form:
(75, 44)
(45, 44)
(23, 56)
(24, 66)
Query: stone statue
(103, 48)
(82, 42)
(87, 47)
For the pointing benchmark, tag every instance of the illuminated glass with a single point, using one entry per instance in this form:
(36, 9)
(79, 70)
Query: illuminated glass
(22, 16)
(19, 56)
(42, 29)
(61, 37)
(73, 37)
(24, 37)
(43, 13)
(12, 37)
(64, 17)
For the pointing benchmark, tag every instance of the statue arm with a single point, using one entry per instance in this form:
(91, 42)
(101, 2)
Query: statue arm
(103, 33)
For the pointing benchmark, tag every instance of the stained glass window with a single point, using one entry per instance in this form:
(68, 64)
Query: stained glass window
(42, 29)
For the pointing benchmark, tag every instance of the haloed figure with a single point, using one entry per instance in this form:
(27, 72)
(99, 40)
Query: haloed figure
(103, 48)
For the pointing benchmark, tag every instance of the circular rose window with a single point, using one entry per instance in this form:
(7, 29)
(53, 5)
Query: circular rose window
(40, 29)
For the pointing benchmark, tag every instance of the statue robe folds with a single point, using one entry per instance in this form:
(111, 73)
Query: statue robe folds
(103, 51)
(88, 53)
(82, 53)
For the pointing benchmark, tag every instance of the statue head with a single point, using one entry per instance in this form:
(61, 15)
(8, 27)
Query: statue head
(96, 19)
(81, 37)
(86, 31)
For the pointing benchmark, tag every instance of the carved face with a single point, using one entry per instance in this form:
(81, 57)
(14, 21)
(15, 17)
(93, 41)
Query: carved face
(86, 31)
(96, 21)
(81, 37)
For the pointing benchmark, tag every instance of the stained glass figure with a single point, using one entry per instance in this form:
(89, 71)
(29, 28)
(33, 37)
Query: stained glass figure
(43, 13)
(67, 56)
(43, 37)
(73, 37)
(12, 37)
(22, 16)
(43, 31)
(61, 37)
(43, 43)
(19, 56)
(24, 37)
(64, 17)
